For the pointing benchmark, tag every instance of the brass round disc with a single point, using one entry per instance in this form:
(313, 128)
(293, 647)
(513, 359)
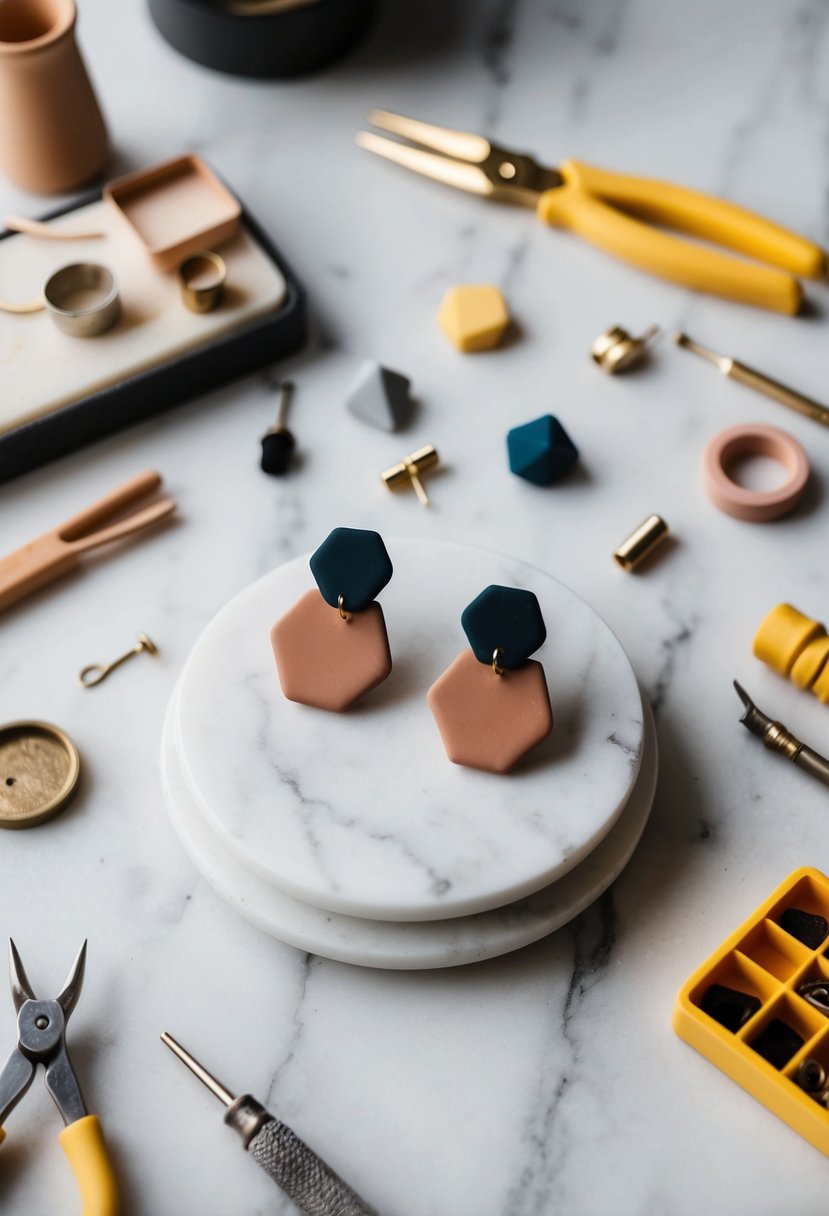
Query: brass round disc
(39, 770)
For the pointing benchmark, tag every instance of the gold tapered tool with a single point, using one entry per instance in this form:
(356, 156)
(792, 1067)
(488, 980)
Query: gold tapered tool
(407, 473)
(774, 735)
(761, 383)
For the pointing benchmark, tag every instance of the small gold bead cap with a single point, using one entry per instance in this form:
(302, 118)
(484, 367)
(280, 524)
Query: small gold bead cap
(650, 533)
(615, 350)
(202, 279)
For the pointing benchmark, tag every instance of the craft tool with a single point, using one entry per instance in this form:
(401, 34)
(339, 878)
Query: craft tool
(55, 553)
(407, 472)
(746, 1011)
(738, 443)
(641, 542)
(202, 280)
(41, 1039)
(600, 206)
(304, 1177)
(778, 738)
(39, 771)
(615, 350)
(796, 647)
(743, 374)
(96, 673)
(278, 443)
(49, 232)
(82, 299)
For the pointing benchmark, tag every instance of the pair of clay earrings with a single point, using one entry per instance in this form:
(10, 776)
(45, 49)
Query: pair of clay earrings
(491, 705)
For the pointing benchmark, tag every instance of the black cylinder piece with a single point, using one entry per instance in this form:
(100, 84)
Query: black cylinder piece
(277, 449)
(233, 37)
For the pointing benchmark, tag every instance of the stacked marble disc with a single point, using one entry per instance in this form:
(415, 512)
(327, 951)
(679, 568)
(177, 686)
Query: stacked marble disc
(352, 835)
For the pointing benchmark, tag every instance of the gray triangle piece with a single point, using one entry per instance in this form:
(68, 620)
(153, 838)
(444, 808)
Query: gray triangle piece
(380, 397)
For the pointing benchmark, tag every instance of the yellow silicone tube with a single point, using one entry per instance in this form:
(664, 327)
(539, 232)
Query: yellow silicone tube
(783, 635)
(83, 1143)
(587, 205)
(810, 662)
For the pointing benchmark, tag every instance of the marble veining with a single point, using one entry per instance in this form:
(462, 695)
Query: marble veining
(457, 1092)
(400, 833)
(405, 945)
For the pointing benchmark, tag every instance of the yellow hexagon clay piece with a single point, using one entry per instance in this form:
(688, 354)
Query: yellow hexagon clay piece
(473, 316)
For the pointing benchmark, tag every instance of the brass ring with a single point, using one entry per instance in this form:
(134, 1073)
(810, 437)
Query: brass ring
(202, 279)
(496, 667)
(346, 616)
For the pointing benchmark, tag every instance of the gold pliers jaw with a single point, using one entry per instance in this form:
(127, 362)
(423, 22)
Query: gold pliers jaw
(459, 158)
(41, 1039)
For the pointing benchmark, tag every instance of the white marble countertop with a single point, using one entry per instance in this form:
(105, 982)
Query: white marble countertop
(549, 1081)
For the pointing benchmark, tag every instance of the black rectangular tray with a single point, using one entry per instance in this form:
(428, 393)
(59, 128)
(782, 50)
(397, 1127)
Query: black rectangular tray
(260, 342)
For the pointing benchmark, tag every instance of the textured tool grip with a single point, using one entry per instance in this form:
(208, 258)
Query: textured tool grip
(302, 1175)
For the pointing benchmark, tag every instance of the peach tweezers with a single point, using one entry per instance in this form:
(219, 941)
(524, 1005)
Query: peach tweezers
(56, 553)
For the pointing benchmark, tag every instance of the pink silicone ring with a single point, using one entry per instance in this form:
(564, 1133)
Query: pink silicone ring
(754, 439)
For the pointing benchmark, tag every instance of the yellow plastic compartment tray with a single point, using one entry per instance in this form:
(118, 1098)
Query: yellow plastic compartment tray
(764, 961)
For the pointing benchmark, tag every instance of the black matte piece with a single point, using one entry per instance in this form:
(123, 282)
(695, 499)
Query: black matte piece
(277, 450)
(352, 563)
(507, 619)
(287, 42)
(777, 1043)
(807, 927)
(730, 1008)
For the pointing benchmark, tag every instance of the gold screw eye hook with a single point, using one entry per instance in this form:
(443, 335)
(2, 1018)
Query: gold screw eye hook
(345, 616)
(615, 350)
(96, 673)
(497, 653)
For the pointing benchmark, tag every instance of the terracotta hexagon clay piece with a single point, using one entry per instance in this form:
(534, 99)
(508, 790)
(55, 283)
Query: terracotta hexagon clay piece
(325, 661)
(488, 721)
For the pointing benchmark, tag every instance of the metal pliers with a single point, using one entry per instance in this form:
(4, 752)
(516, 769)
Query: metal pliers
(623, 215)
(41, 1029)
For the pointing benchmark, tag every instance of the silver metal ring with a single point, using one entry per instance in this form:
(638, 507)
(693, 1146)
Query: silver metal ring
(83, 299)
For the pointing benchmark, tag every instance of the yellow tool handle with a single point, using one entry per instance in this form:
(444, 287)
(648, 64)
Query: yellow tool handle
(587, 205)
(83, 1143)
(702, 215)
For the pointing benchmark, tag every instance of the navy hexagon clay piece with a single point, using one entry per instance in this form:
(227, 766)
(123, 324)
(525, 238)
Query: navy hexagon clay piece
(352, 563)
(541, 451)
(507, 619)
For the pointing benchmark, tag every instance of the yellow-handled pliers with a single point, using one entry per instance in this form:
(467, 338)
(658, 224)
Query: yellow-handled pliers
(625, 216)
(41, 1030)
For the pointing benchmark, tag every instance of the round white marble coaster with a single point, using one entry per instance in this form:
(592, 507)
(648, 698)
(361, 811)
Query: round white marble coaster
(362, 812)
(409, 945)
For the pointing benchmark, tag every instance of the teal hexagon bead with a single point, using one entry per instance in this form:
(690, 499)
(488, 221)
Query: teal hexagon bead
(352, 563)
(507, 619)
(541, 451)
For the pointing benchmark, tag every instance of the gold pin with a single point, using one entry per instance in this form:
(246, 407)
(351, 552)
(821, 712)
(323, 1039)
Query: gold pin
(96, 673)
(615, 350)
(759, 381)
(408, 472)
